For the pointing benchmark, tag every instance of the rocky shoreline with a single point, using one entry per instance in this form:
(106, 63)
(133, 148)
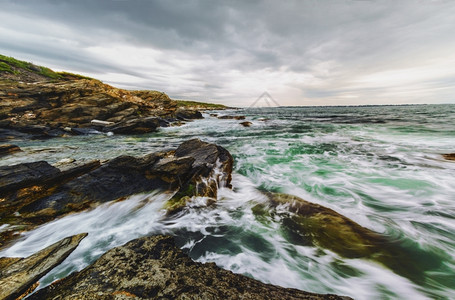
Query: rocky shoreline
(145, 268)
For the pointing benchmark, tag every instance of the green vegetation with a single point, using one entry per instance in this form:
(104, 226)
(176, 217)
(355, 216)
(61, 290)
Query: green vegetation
(4, 67)
(7, 63)
(188, 104)
(69, 75)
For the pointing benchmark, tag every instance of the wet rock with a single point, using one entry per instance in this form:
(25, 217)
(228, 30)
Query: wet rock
(313, 224)
(246, 124)
(84, 131)
(231, 117)
(19, 275)
(214, 115)
(154, 268)
(7, 149)
(39, 192)
(188, 114)
(22, 175)
(211, 168)
(21, 185)
(134, 126)
(449, 156)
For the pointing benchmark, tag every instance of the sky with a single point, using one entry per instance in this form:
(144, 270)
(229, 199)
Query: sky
(306, 52)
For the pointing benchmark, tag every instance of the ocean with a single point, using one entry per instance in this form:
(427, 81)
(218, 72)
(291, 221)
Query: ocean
(380, 166)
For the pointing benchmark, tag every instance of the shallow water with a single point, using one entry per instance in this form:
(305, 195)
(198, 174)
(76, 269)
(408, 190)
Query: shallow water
(379, 166)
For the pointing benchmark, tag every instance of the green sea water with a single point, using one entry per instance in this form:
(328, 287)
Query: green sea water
(380, 166)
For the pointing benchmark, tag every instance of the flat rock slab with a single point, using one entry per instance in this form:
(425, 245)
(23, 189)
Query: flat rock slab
(154, 268)
(20, 274)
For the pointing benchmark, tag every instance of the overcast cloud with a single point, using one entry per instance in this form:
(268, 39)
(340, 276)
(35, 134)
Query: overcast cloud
(302, 52)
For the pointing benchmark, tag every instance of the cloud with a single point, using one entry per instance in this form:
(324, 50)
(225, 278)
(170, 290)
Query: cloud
(303, 52)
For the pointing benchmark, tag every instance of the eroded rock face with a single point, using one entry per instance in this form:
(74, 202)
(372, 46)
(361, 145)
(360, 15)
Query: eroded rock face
(44, 109)
(154, 268)
(19, 275)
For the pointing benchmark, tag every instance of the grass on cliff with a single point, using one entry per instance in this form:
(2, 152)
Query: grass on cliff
(7, 63)
(189, 104)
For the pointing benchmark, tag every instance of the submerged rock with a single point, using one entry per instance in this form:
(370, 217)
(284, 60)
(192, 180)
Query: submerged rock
(314, 224)
(7, 149)
(246, 124)
(18, 275)
(154, 268)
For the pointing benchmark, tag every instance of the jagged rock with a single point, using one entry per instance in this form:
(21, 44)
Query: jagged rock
(39, 192)
(231, 117)
(154, 268)
(18, 275)
(211, 168)
(314, 224)
(449, 156)
(186, 114)
(246, 124)
(7, 149)
(42, 109)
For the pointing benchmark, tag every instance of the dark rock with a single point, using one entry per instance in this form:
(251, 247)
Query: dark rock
(19, 275)
(39, 192)
(211, 168)
(154, 268)
(21, 185)
(134, 126)
(232, 117)
(188, 114)
(246, 124)
(449, 156)
(84, 131)
(7, 149)
(214, 115)
(22, 175)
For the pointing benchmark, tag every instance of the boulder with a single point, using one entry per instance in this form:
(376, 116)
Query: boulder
(7, 149)
(154, 268)
(211, 169)
(187, 114)
(18, 277)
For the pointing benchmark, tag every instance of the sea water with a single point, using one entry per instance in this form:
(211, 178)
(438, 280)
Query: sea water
(380, 166)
